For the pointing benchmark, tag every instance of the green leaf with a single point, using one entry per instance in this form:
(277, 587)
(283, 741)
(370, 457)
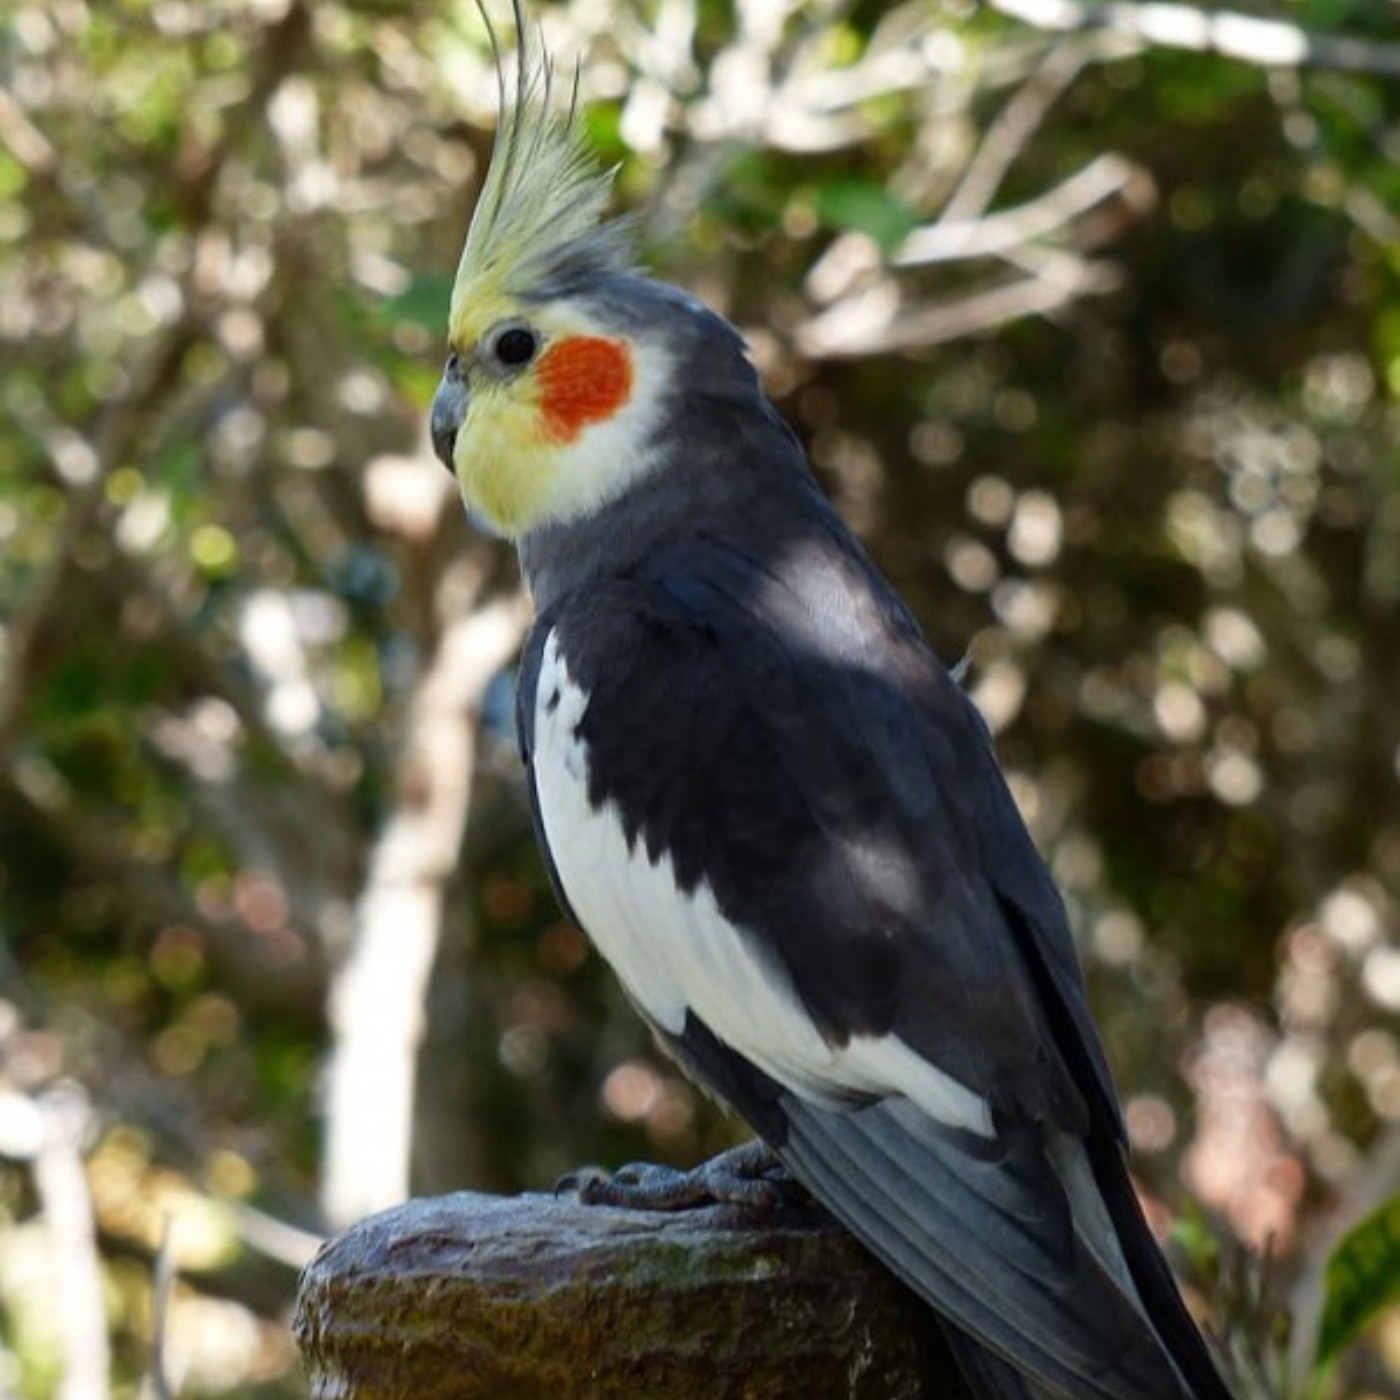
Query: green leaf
(865, 208)
(423, 302)
(1362, 1279)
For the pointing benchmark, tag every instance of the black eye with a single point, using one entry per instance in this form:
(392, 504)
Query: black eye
(516, 346)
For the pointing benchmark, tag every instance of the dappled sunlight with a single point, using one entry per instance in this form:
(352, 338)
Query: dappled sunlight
(1087, 330)
(1238, 1162)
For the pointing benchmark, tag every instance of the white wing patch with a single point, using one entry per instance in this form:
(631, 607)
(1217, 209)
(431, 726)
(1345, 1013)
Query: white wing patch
(676, 952)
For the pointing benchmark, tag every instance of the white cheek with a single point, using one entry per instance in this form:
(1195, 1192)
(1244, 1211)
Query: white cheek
(676, 952)
(606, 457)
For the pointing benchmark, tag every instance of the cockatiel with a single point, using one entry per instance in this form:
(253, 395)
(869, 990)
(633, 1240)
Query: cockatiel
(772, 809)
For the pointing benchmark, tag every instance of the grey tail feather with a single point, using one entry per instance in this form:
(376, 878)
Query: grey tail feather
(1161, 1298)
(989, 1377)
(1152, 1277)
(983, 1233)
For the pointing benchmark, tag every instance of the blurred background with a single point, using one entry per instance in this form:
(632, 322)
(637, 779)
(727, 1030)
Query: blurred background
(1088, 317)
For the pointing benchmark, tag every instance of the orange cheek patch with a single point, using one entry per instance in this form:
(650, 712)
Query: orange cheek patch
(582, 380)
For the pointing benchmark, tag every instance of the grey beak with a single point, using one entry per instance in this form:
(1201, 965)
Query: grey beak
(449, 411)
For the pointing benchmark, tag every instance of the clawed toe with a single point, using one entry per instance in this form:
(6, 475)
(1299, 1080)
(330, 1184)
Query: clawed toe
(749, 1176)
(579, 1180)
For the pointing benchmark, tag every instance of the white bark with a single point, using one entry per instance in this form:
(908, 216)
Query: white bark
(66, 1203)
(376, 1002)
(1249, 38)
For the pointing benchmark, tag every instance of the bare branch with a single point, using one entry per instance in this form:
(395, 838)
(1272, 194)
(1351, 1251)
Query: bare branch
(879, 321)
(1269, 42)
(278, 1240)
(66, 1204)
(162, 1284)
(376, 1005)
(870, 314)
(995, 234)
(1014, 126)
(24, 141)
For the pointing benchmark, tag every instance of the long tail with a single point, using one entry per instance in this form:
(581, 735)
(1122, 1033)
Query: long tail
(988, 1375)
(1151, 1275)
(1053, 1298)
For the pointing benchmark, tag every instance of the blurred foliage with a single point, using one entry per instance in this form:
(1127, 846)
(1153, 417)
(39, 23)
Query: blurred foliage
(1363, 1279)
(1163, 514)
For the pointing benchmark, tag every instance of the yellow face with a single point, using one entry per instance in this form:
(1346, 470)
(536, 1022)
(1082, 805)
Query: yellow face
(542, 411)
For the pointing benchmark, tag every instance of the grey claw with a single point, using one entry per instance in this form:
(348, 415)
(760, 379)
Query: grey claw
(749, 1176)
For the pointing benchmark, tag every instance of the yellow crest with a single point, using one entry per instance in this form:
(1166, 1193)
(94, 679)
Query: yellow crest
(538, 220)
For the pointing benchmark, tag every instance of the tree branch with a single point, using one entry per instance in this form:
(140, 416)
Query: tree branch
(376, 1004)
(24, 141)
(879, 321)
(1014, 126)
(1268, 42)
(66, 1203)
(997, 233)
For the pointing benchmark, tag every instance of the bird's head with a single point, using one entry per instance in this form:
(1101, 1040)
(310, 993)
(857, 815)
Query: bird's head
(551, 391)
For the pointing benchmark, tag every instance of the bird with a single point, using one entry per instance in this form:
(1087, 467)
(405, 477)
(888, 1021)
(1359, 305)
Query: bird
(773, 810)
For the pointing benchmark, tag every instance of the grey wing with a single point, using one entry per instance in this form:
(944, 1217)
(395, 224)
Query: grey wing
(837, 799)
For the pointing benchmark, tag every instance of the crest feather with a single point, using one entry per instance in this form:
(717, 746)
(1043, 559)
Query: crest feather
(539, 218)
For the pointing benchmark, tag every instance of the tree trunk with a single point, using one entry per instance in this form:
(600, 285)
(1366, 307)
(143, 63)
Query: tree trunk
(376, 1003)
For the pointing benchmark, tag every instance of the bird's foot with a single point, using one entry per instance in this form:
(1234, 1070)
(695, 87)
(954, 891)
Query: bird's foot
(749, 1175)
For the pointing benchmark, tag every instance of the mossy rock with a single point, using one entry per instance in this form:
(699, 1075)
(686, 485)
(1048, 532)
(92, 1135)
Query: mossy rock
(540, 1298)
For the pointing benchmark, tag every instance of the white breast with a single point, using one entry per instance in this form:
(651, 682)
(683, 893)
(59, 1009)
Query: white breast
(676, 952)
